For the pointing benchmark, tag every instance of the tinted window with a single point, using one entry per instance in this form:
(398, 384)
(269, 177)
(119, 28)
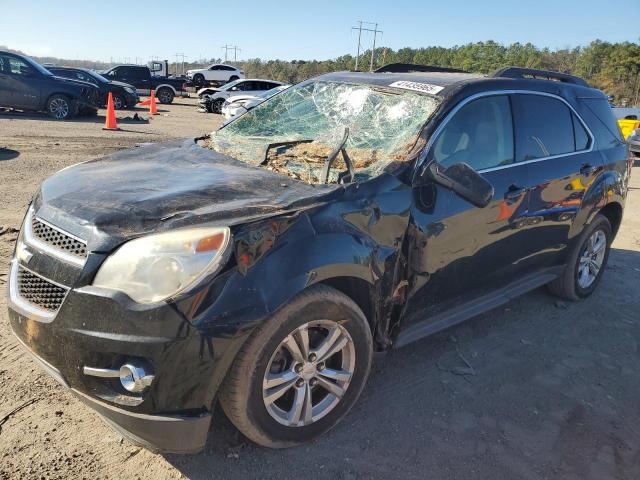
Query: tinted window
(479, 134)
(581, 135)
(247, 86)
(602, 122)
(17, 66)
(545, 127)
(224, 67)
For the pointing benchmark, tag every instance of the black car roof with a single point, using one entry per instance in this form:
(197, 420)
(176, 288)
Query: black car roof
(446, 83)
(440, 79)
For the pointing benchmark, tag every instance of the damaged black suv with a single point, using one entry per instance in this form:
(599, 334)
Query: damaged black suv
(351, 213)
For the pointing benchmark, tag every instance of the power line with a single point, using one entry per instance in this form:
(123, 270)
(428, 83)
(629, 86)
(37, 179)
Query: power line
(375, 32)
(235, 49)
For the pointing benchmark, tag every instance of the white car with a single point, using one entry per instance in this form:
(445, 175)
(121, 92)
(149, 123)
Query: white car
(215, 73)
(240, 104)
(213, 99)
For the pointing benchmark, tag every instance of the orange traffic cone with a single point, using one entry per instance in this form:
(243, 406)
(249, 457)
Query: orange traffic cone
(153, 109)
(110, 122)
(145, 103)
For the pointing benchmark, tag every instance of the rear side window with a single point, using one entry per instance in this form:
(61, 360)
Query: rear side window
(479, 134)
(545, 127)
(602, 122)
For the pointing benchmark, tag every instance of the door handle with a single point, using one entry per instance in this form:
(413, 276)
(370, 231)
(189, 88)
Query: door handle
(514, 193)
(588, 170)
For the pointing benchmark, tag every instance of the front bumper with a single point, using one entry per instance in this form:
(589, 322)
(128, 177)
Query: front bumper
(104, 329)
(158, 433)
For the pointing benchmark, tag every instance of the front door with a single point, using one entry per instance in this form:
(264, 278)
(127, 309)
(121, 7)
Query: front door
(458, 252)
(21, 83)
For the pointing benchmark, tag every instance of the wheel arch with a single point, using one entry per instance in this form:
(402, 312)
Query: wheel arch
(166, 85)
(613, 212)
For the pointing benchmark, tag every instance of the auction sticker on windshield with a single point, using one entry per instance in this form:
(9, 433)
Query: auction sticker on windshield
(419, 87)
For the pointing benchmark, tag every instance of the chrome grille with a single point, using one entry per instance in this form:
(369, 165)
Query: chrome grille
(38, 291)
(58, 239)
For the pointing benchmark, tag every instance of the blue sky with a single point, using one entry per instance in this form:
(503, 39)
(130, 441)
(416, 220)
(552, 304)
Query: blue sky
(101, 30)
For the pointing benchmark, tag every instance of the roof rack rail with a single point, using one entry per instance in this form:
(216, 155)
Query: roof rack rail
(410, 68)
(518, 72)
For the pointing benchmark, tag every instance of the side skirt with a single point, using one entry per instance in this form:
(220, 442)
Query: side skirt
(475, 307)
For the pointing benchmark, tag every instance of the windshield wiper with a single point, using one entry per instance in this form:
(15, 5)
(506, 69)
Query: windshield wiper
(265, 159)
(343, 177)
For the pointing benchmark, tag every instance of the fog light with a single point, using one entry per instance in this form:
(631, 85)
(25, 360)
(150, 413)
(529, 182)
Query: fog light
(134, 378)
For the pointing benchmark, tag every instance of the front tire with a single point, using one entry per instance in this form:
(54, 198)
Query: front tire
(118, 102)
(165, 95)
(198, 79)
(60, 107)
(301, 371)
(587, 262)
(216, 105)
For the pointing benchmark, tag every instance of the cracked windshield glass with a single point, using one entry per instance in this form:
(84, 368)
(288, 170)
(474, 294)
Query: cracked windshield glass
(295, 132)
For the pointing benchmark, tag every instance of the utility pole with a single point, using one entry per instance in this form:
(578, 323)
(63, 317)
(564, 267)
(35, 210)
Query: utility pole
(375, 32)
(235, 49)
(373, 50)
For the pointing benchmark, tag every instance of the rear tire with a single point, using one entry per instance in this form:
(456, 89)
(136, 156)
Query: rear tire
(586, 264)
(331, 342)
(233, 78)
(165, 95)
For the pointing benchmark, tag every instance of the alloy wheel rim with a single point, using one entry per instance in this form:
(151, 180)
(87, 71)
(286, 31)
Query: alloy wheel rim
(591, 259)
(59, 108)
(117, 103)
(308, 373)
(164, 97)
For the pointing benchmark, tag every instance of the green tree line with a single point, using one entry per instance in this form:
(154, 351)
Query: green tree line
(612, 67)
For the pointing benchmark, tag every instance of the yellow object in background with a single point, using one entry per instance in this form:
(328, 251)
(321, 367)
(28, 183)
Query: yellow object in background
(628, 126)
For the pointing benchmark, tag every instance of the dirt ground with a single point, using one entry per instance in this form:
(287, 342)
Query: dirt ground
(553, 391)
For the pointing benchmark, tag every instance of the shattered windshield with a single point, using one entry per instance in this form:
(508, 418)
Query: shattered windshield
(309, 121)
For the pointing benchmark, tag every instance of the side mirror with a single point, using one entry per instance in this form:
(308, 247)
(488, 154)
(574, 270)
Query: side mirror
(234, 89)
(463, 180)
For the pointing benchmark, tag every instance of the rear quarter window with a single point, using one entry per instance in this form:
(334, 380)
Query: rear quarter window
(602, 122)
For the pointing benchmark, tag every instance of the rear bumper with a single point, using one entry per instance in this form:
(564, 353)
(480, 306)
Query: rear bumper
(158, 433)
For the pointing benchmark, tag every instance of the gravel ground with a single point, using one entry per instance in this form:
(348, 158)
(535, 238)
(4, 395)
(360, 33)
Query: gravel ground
(554, 391)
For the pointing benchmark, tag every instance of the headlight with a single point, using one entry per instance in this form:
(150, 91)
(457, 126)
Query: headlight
(152, 268)
(129, 89)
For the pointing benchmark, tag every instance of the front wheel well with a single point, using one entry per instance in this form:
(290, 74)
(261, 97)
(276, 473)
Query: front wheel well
(358, 290)
(613, 212)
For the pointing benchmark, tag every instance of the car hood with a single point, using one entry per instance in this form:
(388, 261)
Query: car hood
(237, 98)
(205, 89)
(163, 186)
(121, 84)
(71, 81)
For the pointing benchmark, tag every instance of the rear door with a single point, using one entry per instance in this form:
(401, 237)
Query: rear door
(557, 147)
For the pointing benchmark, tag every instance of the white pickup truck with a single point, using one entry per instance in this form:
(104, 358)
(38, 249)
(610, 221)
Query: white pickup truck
(217, 72)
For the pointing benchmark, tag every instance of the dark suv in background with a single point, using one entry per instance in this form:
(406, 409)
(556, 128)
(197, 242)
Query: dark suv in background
(351, 213)
(124, 94)
(27, 85)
